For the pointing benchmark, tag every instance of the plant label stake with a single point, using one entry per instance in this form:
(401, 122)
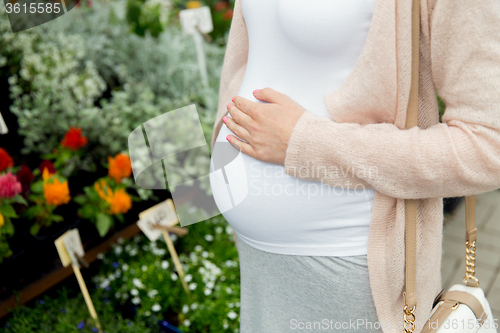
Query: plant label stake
(197, 22)
(3, 126)
(70, 249)
(161, 219)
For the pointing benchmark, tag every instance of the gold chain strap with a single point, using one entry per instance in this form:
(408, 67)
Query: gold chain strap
(409, 318)
(470, 264)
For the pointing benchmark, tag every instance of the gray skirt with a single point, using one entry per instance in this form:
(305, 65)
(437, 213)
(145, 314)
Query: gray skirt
(291, 293)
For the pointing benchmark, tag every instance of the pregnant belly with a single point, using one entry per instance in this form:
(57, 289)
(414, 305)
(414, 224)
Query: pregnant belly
(270, 206)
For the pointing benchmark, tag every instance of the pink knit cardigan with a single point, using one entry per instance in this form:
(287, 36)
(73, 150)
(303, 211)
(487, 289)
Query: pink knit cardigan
(367, 145)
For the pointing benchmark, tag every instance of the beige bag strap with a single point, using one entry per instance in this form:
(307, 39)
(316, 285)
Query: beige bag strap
(409, 296)
(470, 241)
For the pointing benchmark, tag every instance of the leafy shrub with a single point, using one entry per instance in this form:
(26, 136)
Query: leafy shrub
(98, 76)
(148, 15)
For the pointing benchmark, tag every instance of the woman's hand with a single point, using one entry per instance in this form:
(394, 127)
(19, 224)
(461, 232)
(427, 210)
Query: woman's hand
(266, 127)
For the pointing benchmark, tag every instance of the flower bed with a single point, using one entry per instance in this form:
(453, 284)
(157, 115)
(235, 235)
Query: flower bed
(137, 280)
(141, 275)
(73, 89)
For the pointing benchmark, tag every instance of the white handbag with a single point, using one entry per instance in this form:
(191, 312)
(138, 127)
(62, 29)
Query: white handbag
(463, 308)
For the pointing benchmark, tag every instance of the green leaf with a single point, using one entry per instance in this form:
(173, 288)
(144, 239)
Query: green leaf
(91, 193)
(35, 228)
(80, 199)
(135, 198)
(61, 179)
(33, 211)
(87, 212)
(65, 155)
(56, 218)
(19, 199)
(103, 223)
(37, 187)
(8, 228)
(49, 156)
(8, 211)
(120, 218)
(4, 250)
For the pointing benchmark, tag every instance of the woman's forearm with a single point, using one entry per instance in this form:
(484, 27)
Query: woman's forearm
(444, 160)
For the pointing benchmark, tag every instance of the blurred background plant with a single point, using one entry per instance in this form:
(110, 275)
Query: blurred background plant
(149, 15)
(155, 16)
(68, 156)
(48, 193)
(11, 189)
(66, 312)
(102, 70)
(100, 76)
(141, 275)
(107, 199)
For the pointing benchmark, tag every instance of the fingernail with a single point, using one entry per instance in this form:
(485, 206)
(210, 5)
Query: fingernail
(255, 91)
(232, 99)
(224, 119)
(228, 138)
(227, 106)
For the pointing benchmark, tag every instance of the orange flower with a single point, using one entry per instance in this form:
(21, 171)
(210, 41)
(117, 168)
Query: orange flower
(119, 167)
(74, 139)
(56, 193)
(102, 188)
(120, 202)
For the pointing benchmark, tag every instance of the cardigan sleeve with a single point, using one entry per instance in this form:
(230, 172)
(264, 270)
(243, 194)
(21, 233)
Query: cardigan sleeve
(460, 156)
(234, 65)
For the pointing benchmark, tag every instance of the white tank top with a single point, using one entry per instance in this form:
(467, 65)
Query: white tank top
(304, 49)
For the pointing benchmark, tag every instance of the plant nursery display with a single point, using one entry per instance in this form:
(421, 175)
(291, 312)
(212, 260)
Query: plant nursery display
(73, 90)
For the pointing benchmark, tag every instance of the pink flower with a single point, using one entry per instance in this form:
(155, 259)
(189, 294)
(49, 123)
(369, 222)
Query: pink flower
(9, 186)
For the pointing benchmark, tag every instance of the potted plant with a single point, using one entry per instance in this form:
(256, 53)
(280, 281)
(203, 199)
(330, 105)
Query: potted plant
(48, 193)
(107, 199)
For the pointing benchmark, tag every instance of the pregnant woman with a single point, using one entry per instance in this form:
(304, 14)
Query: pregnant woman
(314, 94)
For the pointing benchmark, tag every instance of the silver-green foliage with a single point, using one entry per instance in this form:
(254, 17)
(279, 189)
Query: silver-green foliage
(68, 64)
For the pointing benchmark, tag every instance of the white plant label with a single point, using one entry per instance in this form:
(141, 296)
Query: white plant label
(162, 214)
(201, 17)
(3, 126)
(69, 244)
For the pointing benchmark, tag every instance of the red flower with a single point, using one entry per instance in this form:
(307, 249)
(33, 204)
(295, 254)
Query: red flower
(221, 5)
(228, 14)
(74, 139)
(47, 164)
(25, 177)
(5, 160)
